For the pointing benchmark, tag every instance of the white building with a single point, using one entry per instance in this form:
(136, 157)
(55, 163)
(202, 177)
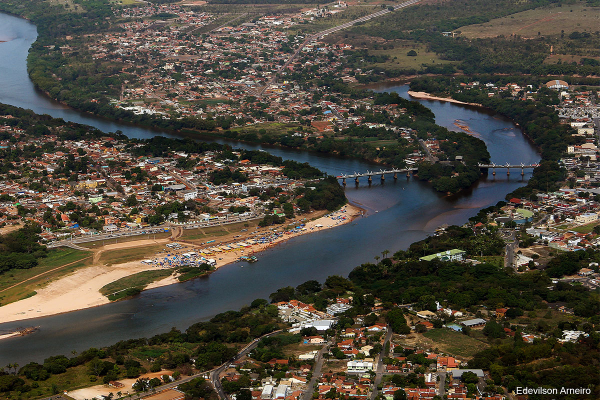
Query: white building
(358, 367)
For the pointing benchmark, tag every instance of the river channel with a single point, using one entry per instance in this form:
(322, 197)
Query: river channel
(399, 213)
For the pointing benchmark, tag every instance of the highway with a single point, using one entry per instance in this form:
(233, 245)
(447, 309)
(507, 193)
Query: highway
(147, 231)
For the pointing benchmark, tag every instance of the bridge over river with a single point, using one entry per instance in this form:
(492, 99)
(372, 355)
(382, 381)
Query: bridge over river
(408, 171)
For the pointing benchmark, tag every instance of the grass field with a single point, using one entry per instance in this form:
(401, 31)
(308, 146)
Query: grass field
(51, 269)
(126, 255)
(546, 21)
(139, 280)
(217, 231)
(585, 228)
(455, 343)
(498, 261)
(398, 58)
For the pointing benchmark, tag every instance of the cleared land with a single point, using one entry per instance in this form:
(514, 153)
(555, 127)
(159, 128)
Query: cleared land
(398, 58)
(547, 21)
(131, 254)
(455, 343)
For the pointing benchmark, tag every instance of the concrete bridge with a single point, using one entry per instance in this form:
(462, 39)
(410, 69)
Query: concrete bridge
(370, 174)
(508, 167)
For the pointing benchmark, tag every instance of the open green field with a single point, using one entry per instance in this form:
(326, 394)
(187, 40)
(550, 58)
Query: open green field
(59, 263)
(547, 21)
(139, 280)
(217, 231)
(398, 58)
(498, 261)
(127, 255)
(585, 228)
(456, 343)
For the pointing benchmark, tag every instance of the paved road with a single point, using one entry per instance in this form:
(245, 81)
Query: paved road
(307, 395)
(509, 259)
(442, 387)
(380, 366)
(430, 157)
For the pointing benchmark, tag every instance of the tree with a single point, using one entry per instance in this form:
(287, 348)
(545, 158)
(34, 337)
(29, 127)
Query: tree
(469, 377)
(412, 53)
(400, 394)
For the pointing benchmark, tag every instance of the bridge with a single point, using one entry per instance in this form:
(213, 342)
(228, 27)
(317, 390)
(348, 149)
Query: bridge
(370, 174)
(508, 167)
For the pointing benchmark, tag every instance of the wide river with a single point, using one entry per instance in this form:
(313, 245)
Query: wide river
(400, 213)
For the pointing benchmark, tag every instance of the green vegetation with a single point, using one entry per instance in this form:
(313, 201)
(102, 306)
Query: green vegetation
(457, 343)
(20, 249)
(110, 257)
(20, 284)
(138, 281)
(187, 273)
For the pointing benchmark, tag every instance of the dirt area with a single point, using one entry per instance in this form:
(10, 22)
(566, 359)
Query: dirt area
(93, 391)
(9, 228)
(167, 395)
(542, 251)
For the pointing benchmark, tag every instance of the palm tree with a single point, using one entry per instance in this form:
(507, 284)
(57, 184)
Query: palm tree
(15, 366)
(8, 367)
(385, 253)
(376, 258)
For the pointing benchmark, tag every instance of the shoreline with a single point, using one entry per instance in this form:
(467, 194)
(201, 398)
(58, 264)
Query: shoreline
(428, 96)
(80, 289)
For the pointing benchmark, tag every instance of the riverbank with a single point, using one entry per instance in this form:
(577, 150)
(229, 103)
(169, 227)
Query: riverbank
(427, 96)
(80, 289)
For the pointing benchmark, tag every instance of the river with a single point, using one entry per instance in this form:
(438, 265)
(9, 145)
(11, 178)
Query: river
(400, 213)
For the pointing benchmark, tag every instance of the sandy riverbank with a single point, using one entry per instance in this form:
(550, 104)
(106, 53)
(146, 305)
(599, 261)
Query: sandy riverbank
(427, 96)
(80, 289)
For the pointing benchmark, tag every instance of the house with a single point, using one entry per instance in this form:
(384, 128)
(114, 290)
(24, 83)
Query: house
(501, 313)
(426, 314)
(472, 323)
(314, 340)
(447, 362)
(358, 367)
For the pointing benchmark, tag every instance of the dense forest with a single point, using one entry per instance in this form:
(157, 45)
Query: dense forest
(20, 249)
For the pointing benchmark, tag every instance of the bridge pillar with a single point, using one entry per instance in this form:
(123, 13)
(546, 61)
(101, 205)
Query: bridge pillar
(356, 180)
(395, 175)
(370, 178)
(383, 177)
(344, 181)
(522, 171)
(507, 171)
(408, 174)
(494, 172)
